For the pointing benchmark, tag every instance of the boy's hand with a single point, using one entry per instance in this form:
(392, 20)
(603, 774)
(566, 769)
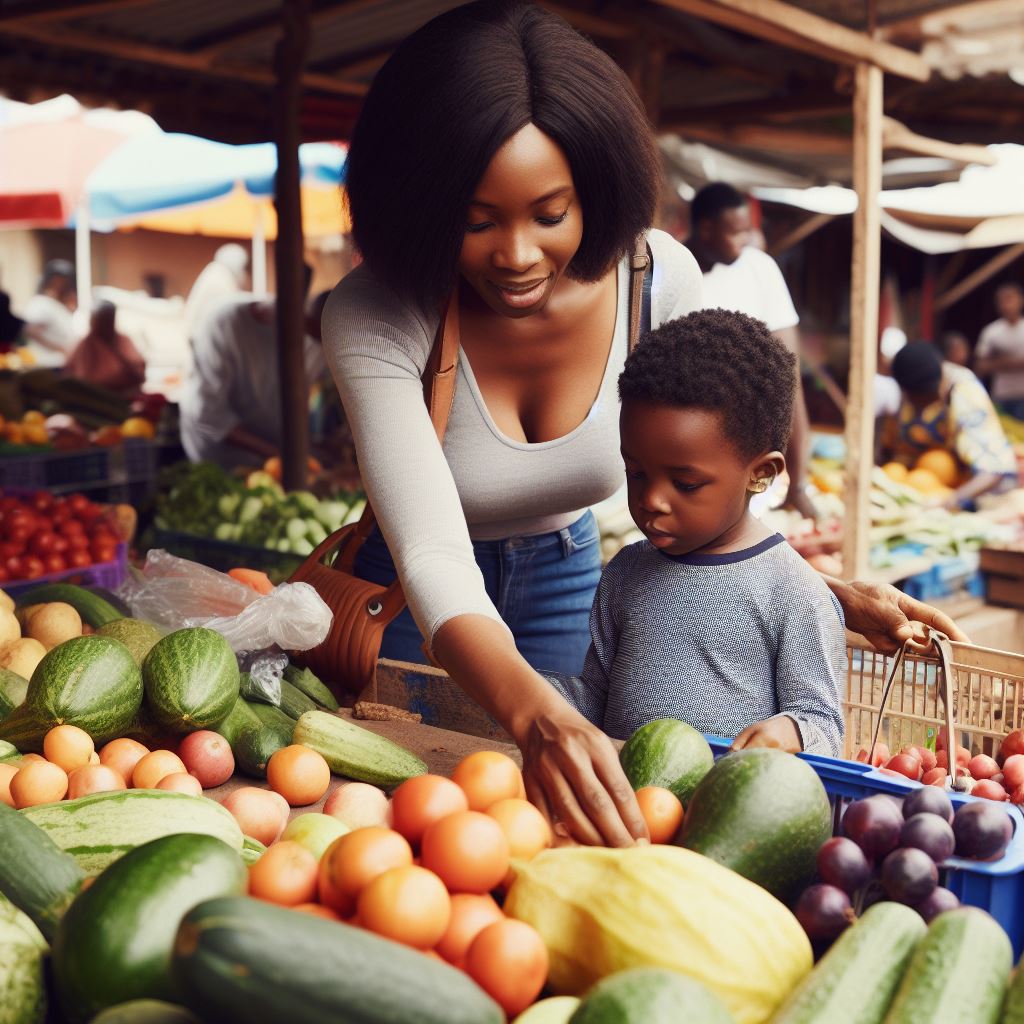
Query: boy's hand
(779, 732)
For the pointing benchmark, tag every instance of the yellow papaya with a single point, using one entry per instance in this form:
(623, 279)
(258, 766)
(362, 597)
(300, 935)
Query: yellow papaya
(600, 911)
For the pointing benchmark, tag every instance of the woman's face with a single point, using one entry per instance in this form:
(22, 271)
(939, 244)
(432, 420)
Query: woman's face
(523, 226)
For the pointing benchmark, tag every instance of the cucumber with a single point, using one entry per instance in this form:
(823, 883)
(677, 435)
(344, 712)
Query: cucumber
(22, 983)
(115, 942)
(294, 702)
(37, 876)
(856, 980)
(650, 995)
(145, 1011)
(242, 961)
(355, 752)
(99, 829)
(191, 679)
(274, 719)
(958, 972)
(252, 742)
(306, 681)
(91, 607)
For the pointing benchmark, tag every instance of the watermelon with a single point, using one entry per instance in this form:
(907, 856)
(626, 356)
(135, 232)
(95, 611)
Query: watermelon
(191, 679)
(89, 681)
(763, 813)
(139, 637)
(667, 753)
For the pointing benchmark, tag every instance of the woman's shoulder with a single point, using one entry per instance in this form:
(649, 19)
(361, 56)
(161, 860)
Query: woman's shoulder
(363, 312)
(676, 287)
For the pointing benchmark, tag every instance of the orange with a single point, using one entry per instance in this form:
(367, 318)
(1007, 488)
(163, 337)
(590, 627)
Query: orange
(92, 778)
(123, 755)
(924, 480)
(33, 416)
(38, 782)
(318, 911)
(181, 782)
(420, 801)
(354, 860)
(138, 426)
(468, 851)
(406, 904)
(509, 961)
(662, 811)
(35, 433)
(7, 772)
(68, 746)
(471, 914)
(285, 874)
(152, 767)
(525, 828)
(487, 777)
(299, 774)
(942, 464)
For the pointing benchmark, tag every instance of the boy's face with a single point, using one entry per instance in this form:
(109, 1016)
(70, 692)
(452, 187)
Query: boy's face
(688, 485)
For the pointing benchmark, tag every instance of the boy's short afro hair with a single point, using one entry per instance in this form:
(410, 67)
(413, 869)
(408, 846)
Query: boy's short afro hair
(722, 361)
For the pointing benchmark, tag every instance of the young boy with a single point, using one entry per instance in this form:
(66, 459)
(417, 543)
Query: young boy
(712, 619)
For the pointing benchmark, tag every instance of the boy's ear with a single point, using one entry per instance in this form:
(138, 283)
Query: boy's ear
(764, 471)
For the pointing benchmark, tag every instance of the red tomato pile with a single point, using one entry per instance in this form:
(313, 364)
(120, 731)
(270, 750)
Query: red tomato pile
(42, 534)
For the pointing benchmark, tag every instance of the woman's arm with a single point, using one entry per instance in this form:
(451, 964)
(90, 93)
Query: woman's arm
(979, 484)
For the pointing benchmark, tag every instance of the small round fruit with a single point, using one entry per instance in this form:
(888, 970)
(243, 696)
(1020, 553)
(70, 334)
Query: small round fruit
(468, 851)
(318, 910)
(285, 874)
(180, 782)
(94, 778)
(123, 755)
(315, 831)
(420, 801)
(7, 772)
(1013, 771)
(982, 830)
(354, 860)
(299, 774)
(68, 747)
(525, 828)
(259, 812)
(824, 911)
(358, 805)
(909, 875)
(1013, 743)
(841, 862)
(487, 777)
(662, 810)
(930, 833)
(906, 765)
(981, 766)
(874, 825)
(471, 914)
(54, 623)
(38, 782)
(935, 777)
(989, 789)
(509, 961)
(936, 903)
(152, 767)
(207, 755)
(406, 904)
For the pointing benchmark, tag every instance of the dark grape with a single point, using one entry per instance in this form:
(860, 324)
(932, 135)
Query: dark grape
(909, 876)
(928, 800)
(982, 830)
(824, 911)
(841, 862)
(874, 825)
(933, 905)
(930, 833)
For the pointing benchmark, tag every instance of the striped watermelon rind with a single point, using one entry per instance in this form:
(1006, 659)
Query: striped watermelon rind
(667, 753)
(191, 679)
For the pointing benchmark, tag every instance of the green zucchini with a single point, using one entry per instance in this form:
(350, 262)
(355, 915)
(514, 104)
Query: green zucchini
(958, 972)
(37, 876)
(99, 829)
(355, 752)
(145, 1011)
(91, 607)
(306, 681)
(274, 719)
(294, 702)
(115, 942)
(650, 995)
(242, 961)
(252, 742)
(22, 983)
(856, 980)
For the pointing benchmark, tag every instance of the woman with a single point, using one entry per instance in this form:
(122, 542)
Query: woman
(945, 406)
(500, 152)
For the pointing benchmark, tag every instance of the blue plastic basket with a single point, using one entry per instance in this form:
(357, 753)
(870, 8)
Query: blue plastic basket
(996, 886)
(109, 575)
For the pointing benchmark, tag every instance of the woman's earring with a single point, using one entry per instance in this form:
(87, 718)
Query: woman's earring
(759, 486)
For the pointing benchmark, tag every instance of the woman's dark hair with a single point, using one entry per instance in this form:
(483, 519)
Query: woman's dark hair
(917, 367)
(449, 97)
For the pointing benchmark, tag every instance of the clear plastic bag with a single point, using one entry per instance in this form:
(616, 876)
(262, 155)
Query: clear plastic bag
(174, 592)
(261, 677)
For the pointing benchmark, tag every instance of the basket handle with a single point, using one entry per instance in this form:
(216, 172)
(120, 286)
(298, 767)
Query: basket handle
(945, 656)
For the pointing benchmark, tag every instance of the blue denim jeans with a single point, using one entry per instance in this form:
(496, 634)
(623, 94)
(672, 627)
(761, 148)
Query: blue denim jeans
(543, 587)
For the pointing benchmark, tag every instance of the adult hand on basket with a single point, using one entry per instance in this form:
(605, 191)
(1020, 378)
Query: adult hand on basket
(887, 618)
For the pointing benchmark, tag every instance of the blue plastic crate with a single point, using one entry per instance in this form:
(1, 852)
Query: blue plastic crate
(947, 576)
(996, 886)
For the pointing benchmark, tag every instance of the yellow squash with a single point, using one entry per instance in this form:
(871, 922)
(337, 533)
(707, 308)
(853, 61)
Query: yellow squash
(600, 911)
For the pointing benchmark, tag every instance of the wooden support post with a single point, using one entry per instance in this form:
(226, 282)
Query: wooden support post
(978, 277)
(867, 233)
(797, 234)
(289, 60)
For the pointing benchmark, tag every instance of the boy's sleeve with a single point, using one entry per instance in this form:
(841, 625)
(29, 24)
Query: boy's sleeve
(810, 668)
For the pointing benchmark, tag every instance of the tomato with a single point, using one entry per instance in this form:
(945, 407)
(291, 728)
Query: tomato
(4, 575)
(32, 566)
(102, 535)
(509, 961)
(43, 543)
(104, 553)
(9, 503)
(71, 526)
(78, 559)
(42, 501)
(60, 544)
(59, 514)
(55, 563)
(467, 850)
(8, 549)
(18, 534)
(76, 502)
(76, 542)
(14, 567)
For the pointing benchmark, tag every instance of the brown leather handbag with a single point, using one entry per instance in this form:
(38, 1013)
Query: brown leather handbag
(347, 659)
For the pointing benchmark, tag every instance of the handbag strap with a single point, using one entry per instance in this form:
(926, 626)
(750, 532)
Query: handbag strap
(641, 265)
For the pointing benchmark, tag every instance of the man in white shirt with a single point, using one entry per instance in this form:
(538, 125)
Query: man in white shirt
(231, 401)
(49, 323)
(739, 276)
(1000, 351)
